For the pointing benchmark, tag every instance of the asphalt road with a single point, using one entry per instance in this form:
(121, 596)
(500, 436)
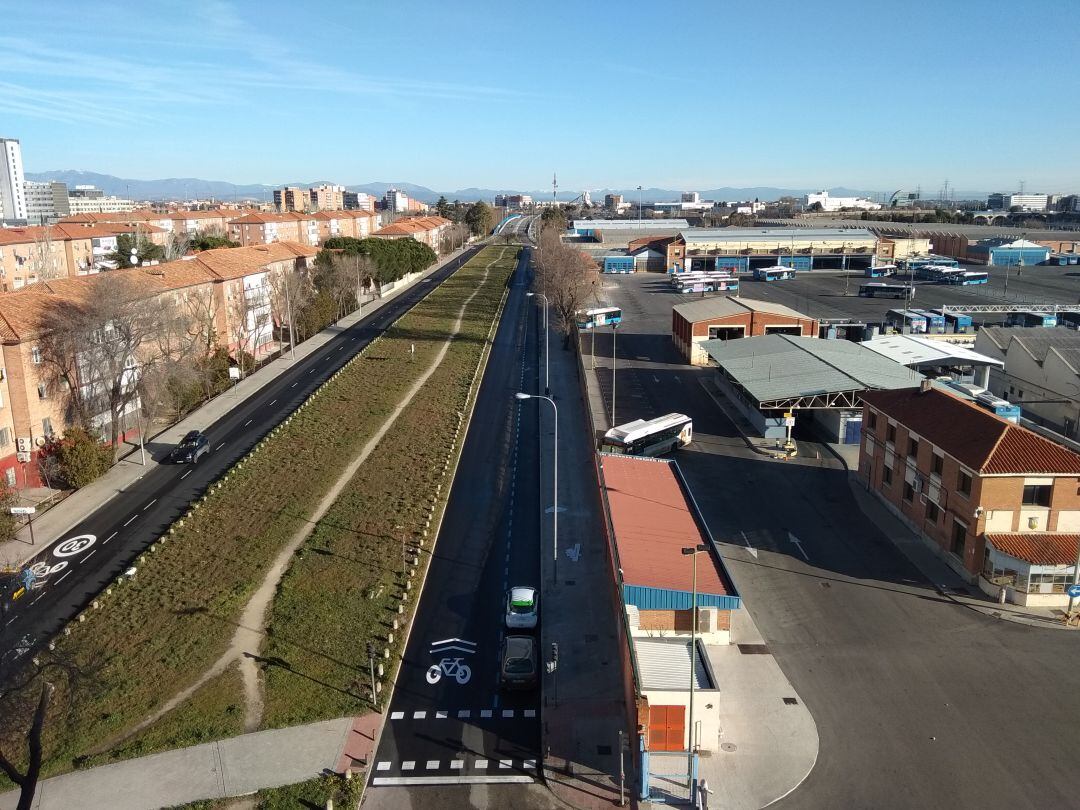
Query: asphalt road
(461, 742)
(104, 545)
(919, 701)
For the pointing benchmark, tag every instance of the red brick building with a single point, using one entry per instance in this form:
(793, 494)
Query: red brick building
(1000, 503)
(726, 318)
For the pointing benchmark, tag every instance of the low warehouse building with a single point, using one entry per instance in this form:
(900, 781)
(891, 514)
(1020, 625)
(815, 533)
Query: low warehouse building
(652, 518)
(746, 249)
(723, 318)
(771, 378)
(1008, 252)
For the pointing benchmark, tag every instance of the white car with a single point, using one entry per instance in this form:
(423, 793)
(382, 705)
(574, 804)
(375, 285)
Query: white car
(522, 608)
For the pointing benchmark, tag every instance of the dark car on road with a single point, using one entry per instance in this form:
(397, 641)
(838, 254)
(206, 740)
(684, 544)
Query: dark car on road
(518, 667)
(191, 448)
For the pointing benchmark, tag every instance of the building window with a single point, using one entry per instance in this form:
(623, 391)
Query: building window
(890, 433)
(42, 391)
(913, 448)
(9, 476)
(937, 464)
(963, 484)
(886, 475)
(5, 437)
(909, 492)
(871, 420)
(959, 539)
(1037, 495)
(933, 512)
(35, 356)
(46, 427)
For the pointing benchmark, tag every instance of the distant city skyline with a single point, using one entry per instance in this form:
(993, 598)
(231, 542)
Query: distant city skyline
(451, 96)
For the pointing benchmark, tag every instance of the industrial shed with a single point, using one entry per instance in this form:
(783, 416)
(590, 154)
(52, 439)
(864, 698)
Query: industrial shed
(723, 318)
(773, 375)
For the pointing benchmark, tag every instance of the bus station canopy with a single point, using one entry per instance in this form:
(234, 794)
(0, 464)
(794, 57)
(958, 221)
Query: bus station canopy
(917, 352)
(784, 371)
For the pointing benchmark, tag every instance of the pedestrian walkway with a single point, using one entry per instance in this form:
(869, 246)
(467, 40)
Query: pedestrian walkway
(217, 770)
(586, 699)
(58, 520)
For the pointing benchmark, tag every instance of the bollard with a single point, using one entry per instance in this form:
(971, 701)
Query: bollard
(380, 670)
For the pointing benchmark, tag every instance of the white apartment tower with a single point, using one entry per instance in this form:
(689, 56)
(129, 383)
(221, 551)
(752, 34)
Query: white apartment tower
(12, 195)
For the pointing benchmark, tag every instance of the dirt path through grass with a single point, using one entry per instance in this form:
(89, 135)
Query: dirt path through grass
(250, 631)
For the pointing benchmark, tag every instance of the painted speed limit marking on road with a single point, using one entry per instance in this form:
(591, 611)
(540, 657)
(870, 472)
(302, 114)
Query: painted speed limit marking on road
(74, 545)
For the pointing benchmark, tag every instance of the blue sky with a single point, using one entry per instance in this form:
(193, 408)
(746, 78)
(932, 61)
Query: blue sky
(869, 95)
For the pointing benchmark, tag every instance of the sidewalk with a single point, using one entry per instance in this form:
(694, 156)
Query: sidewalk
(585, 704)
(52, 524)
(768, 745)
(216, 770)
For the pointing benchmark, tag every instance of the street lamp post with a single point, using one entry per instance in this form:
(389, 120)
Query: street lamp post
(371, 664)
(614, 327)
(692, 551)
(555, 485)
(547, 345)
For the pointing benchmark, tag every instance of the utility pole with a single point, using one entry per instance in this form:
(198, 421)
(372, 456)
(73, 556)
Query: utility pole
(288, 310)
(371, 665)
(692, 551)
(614, 328)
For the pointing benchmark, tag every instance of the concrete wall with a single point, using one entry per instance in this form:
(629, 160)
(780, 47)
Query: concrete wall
(706, 713)
(769, 427)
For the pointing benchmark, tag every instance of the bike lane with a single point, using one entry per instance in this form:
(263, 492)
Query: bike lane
(448, 723)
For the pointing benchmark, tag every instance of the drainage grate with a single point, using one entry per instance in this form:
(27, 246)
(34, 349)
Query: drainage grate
(789, 701)
(603, 749)
(728, 747)
(754, 649)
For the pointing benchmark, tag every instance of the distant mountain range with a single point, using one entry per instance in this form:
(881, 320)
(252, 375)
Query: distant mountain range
(182, 188)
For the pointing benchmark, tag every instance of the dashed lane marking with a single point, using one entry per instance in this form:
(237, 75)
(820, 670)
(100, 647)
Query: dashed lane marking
(480, 764)
(88, 556)
(505, 763)
(110, 537)
(220, 446)
(149, 504)
(397, 715)
(440, 715)
(126, 522)
(185, 475)
(248, 422)
(530, 764)
(508, 713)
(408, 765)
(272, 402)
(63, 576)
(294, 385)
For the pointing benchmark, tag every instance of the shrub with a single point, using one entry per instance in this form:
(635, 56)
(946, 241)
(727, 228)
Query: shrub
(81, 457)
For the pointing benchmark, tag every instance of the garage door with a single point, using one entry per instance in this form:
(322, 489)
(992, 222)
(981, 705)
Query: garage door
(667, 726)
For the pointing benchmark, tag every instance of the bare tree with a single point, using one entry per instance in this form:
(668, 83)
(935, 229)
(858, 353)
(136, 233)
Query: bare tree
(567, 277)
(249, 316)
(177, 246)
(43, 263)
(290, 292)
(28, 781)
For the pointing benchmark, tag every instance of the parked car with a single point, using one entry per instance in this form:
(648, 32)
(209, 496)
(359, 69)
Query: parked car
(518, 667)
(191, 448)
(522, 608)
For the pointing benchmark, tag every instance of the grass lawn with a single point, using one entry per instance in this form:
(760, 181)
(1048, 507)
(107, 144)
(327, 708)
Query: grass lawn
(310, 794)
(342, 588)
(160, 630)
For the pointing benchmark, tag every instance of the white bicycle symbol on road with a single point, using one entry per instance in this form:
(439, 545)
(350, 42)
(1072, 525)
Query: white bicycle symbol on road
(451, 668)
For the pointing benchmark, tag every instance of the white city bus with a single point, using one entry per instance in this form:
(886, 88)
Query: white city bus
(651, 437)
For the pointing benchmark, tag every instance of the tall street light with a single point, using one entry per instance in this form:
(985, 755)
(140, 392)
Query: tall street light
(547, 345)
(555, 485)
(692, 551)
(614, 327)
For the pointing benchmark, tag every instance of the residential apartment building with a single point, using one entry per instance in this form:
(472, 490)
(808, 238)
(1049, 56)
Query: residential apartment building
(292, 198)
(262, 229)
(355, 224)
(97, 204)
(399, 202)
(999, 503)
(12, 194)
(46, 202)
(358, 201)
(428, 230)
(328, 198)
(232, 287)
(1041, 373)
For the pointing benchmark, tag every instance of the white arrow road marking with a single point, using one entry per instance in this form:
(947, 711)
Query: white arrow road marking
(798, 545)
(748, 546)
(550, 509)
(574, 552)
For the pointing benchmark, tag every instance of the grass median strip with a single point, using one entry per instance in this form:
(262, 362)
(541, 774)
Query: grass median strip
(160, 631)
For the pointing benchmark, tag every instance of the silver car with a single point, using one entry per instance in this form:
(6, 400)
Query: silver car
(522, 608)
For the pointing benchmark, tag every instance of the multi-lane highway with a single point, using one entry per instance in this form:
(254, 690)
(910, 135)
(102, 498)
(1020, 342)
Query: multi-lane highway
(457, 729)
(103, 545)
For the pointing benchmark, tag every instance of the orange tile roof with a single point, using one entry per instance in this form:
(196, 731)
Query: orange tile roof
(1038, 548)
(652, 521)
(975, 437)
(64, 231)
(228, 263)
(411, 225)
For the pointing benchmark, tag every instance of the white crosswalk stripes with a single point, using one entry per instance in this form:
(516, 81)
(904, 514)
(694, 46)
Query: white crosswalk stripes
(383, 766)
(396, 715)
(480, 764)
(532, 712)
(458, 764)
(466, 714)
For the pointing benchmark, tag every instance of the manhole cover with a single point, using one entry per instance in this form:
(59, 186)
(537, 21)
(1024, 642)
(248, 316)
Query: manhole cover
(728, 747)
(754, 649)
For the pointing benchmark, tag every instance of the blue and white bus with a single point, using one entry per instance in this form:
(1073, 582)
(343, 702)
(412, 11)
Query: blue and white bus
(964, 277)
(956, 322)
(919, 263)
(603, 316)
(704, 285)
(1026, 318)
(879, 289)
(650, 438)
(880, 271)
(935, 321)
(909, 321)
(776, 273)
